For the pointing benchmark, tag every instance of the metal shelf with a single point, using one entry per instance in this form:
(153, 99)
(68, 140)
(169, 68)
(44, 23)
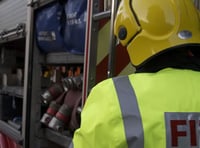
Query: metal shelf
(37, 136)
(64, 58)
(56, 137)
(13, 34)
(39, 3)
(11, 132)
(16, 91)
(44, 2)
(14, 37)
(102, 15)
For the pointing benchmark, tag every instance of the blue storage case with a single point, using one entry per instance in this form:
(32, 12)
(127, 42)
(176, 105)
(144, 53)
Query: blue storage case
(50, 23)
(75, 26)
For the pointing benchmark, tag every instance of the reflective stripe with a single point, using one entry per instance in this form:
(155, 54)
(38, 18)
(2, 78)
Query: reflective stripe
(71, 145)
(130, 112)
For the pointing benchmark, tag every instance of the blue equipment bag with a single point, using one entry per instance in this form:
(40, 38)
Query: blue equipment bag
(75, 26)
(50, 21)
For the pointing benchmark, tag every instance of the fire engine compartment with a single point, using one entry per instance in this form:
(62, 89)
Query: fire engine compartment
(35, 86)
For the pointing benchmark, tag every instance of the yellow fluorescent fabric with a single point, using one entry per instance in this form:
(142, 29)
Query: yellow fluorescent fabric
(169, 90)
(102, 124)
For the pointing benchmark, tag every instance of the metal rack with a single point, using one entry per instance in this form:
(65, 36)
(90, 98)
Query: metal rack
(12, 44)
(10, 131)
(15, 92)
(13, 33)
(38, 136)
(61, 139)
(95, 14)
(9, 128)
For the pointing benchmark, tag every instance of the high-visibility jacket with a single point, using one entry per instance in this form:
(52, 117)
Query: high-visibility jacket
(144, 110)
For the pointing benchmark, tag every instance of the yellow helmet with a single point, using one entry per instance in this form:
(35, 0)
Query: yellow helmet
(148, 27)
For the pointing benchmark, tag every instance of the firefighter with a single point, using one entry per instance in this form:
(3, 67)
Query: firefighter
(159, 105)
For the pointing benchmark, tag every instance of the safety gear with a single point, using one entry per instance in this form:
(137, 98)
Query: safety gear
(52, 93)
(74, 82)
(53, 109)
(148, 27)
(76, 114)
(136, 112)
(62, 118)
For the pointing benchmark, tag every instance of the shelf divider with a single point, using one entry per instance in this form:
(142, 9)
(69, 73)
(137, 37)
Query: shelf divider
(11, 132)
